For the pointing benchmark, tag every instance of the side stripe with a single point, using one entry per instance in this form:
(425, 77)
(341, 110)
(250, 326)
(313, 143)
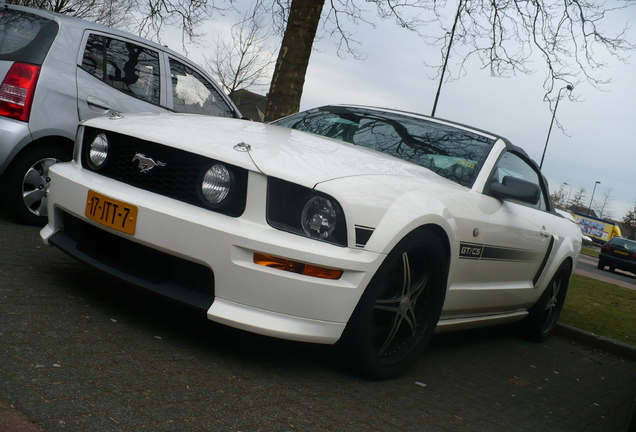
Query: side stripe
(496, 253)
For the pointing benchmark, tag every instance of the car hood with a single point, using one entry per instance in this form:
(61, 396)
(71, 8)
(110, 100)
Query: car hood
(312, 159)
(304, 158)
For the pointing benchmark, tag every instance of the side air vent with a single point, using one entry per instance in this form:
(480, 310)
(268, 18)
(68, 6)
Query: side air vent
(363, 234)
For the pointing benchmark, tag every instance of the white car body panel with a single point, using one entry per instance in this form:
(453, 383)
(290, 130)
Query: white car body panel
(238, 281)
(390, 196)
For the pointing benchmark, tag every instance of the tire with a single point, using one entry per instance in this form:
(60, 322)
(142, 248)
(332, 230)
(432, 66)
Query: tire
(27, 183)
(544, 314)
(398, 312)
(600, 265)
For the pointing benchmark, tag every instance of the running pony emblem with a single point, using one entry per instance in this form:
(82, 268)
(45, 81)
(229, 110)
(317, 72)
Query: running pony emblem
(146, 163)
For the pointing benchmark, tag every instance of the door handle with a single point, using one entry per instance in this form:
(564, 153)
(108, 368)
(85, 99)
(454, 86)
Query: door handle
(545, 232)
(94, 102)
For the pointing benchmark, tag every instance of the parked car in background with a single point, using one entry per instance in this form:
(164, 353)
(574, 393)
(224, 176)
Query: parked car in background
(364, 227)
(56, 71)
(618, 253)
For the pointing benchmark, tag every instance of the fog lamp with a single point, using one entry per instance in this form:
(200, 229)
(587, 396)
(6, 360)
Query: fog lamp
(216, 184)
(98, 151)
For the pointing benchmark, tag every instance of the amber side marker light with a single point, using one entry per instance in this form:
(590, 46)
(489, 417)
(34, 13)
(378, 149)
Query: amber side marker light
(296, 267)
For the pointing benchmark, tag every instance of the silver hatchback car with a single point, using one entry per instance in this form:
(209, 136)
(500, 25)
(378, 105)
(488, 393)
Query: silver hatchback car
(56, 71)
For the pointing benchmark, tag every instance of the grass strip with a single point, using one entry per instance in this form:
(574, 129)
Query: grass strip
(601, 308)
(590, 251)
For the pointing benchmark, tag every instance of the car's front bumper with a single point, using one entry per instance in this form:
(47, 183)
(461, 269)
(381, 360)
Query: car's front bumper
(243, 294)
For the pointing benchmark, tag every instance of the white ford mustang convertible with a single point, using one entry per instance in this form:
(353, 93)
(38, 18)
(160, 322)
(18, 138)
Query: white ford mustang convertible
(364, 227)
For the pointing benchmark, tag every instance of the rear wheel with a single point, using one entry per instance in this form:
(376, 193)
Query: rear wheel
(398, 313)
(600, 265)
(543, 316)
(27, 183)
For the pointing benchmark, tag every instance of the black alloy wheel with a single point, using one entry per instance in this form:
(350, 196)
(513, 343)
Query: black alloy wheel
(398, 313)
(543, 316)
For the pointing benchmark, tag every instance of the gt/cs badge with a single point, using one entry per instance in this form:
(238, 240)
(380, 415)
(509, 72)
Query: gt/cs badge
(146, 163)
(470, 250)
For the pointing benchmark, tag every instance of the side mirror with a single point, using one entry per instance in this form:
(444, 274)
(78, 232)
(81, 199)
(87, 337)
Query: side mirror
(516, 189)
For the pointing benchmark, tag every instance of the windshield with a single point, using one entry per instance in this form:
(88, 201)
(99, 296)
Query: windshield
(453, 153)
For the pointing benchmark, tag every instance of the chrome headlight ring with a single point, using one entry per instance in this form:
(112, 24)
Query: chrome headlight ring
(98, 151)
(216, 185)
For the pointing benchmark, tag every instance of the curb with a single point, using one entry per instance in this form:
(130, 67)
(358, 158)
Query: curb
(593, 340)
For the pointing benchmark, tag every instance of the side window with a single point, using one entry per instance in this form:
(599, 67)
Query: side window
(514, 166)
(123, 65)
(193, 94)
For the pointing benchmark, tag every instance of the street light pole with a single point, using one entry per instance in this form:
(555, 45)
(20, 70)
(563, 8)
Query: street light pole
(568, 87)
(590, 206)
(448, 52)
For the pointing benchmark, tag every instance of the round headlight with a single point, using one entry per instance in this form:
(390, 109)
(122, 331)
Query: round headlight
(319, 217)
(98, 151)
(216, 184)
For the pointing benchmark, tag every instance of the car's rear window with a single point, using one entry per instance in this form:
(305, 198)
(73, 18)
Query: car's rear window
(451, 152)
(24, 36)
(624, 243)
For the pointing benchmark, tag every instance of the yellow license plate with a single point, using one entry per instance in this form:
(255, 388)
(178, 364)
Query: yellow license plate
(621, 252)
(112, 213)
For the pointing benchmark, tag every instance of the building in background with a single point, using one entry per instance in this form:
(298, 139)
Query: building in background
(250, 104)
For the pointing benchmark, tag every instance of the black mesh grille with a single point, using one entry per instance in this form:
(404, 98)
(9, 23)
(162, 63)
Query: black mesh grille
(179, 177)
(138, 261)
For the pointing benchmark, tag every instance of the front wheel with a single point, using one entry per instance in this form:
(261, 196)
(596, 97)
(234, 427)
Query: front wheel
(543, 316)
(398, 313)
(27, 183)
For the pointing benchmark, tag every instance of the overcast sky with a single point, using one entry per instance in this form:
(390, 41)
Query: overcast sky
(598, 143)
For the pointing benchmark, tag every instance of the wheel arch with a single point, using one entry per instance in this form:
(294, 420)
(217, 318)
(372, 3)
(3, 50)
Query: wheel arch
(410, 213)
(544, 313)
(442, 235)
(565, 253)
(25, 181)
(60, 141)
(566, 261)
(393, 230)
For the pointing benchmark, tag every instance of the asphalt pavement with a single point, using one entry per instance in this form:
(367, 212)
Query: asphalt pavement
(82, 353)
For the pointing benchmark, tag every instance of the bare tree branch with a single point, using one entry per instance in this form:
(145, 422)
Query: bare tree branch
(603, 206)
(505, 35)
(244, 60)
(147, 18)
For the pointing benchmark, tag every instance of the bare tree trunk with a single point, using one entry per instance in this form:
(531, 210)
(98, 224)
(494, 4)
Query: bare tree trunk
(293, 58)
